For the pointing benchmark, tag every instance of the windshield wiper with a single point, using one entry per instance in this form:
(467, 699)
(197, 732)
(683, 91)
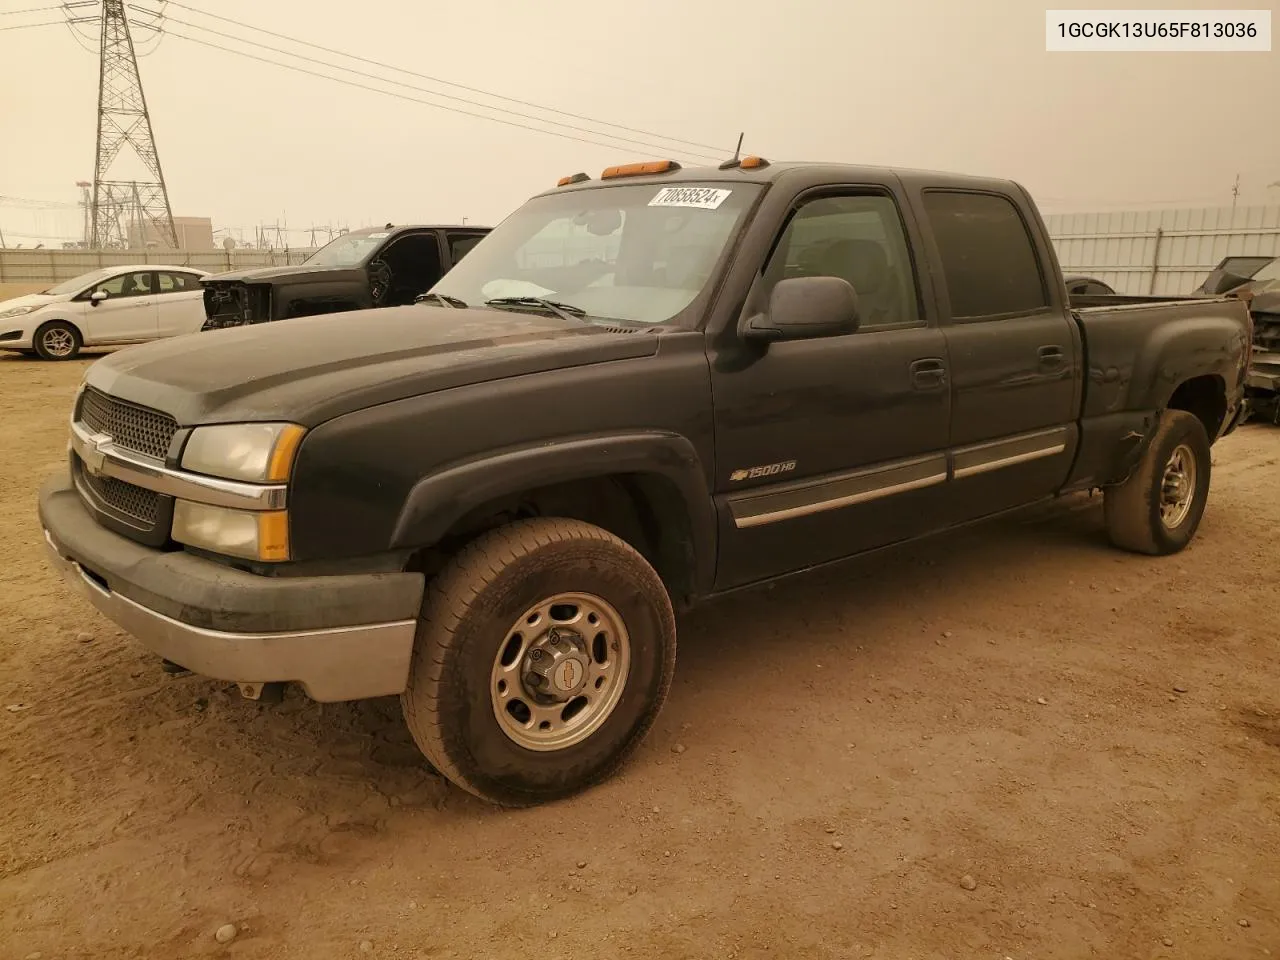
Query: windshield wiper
(565, 311)
(442, 299)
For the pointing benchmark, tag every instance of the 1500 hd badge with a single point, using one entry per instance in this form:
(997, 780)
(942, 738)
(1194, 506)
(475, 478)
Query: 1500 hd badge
(768, 470)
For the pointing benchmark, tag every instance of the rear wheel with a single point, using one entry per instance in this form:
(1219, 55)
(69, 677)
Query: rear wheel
(544, 652)
(56, 340)
(1158, 509)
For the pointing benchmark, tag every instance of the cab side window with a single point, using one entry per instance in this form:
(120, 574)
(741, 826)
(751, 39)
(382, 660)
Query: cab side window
(858, 238)
(178, 282)
(988, 259)
(460, 244)
(125, 285)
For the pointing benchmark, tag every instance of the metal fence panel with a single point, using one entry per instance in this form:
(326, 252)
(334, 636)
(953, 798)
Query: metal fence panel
(54, 266)
(1161, 252)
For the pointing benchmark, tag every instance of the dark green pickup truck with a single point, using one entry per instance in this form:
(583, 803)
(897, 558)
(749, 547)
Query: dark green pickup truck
(637, 392)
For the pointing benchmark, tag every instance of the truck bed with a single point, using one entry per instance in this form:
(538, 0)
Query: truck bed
(1122, 345)
(1089, 301)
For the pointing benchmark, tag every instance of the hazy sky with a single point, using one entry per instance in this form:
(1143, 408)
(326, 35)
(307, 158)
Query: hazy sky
(925, 83)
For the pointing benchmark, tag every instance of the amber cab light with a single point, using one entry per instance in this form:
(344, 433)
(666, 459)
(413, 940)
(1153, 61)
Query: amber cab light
(640, 169)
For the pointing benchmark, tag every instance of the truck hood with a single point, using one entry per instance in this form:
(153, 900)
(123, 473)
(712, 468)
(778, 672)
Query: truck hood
(298, 271)
(312, 369)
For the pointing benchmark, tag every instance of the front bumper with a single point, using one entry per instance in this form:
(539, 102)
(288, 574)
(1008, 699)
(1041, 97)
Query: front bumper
(24, 340)
(340, 637)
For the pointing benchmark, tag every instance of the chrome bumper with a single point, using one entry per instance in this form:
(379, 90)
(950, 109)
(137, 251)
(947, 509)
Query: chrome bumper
(343, 663)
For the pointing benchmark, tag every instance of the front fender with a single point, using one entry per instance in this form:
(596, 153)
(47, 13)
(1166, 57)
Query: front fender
(438, 501)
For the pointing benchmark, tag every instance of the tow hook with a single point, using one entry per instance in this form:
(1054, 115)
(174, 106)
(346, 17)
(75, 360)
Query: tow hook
(262, 692)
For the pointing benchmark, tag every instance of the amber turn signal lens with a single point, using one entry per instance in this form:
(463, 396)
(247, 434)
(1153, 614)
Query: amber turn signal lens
(640, 169)
(286, 448)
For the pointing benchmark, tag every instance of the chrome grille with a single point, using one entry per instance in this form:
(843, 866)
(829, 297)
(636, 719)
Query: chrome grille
(134, 502)
(131, 427)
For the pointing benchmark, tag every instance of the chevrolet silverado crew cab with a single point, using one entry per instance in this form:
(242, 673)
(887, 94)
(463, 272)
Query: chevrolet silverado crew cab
(386, 267)
(638, 392)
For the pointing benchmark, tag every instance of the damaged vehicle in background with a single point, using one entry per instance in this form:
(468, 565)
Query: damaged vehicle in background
(1078, 286)
(373, 267)
(1257, 280)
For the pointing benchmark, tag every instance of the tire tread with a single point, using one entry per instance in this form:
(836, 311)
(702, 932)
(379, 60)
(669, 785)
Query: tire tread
(1128, 506)
(451, 595)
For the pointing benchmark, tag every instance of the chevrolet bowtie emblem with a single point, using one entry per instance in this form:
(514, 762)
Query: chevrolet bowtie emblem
(92, 455)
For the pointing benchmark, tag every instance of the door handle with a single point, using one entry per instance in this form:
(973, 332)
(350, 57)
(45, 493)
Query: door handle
(928, 374)
(1051, 357)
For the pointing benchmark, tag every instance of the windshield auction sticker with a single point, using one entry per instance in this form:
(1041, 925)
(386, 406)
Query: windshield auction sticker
(1158, 31)
(704, 198)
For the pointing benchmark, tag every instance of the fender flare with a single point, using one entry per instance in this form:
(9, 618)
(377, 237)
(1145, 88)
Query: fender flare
(1183, 350)
(441, 499)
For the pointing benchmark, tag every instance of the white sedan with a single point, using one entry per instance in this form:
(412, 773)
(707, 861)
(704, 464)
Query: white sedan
(108, 307)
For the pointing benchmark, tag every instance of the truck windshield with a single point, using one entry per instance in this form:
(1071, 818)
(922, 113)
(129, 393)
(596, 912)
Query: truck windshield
(634, 253)
(348, 250)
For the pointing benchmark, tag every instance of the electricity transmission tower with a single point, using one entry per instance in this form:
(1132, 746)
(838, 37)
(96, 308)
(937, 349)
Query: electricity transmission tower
(125, 210)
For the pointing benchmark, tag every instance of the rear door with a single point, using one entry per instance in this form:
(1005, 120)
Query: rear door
(127, 314)
(1014, 350)
(179, 303)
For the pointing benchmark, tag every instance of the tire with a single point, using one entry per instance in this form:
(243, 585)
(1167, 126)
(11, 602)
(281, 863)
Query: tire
(57, 340)
(1140, 517)
(474, 655)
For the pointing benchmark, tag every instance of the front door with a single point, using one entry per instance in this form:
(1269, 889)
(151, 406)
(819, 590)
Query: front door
(127, 314)
(1014, 356)
(412, 261)
(828, 447)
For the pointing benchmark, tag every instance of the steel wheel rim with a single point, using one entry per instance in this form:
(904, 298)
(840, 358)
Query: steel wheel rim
(560, 671)
(57, 342)
(1177, 487)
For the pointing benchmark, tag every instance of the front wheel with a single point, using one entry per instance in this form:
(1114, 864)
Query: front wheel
(56, 340)
(544, 652)
(1157, 510)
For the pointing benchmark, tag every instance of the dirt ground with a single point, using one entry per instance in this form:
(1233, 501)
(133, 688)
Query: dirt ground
(1090, 740)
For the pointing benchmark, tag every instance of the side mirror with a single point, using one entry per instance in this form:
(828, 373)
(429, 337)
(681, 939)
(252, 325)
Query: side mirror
(805, 308)
(97, 297)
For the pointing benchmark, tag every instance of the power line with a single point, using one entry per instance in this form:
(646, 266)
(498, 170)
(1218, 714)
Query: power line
(39, 204)
(29, 26)
(392, 93)
(432, 93)
(719, 151)
(10, 13)
(40, 236)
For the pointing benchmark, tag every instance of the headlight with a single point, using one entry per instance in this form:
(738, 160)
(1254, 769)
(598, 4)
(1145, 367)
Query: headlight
(252, 534)
(19, 311)
(253, 452)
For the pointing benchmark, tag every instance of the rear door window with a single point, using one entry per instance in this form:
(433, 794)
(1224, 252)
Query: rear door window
(988, 258)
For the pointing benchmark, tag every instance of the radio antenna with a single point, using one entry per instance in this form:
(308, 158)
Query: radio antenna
(730, 164)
